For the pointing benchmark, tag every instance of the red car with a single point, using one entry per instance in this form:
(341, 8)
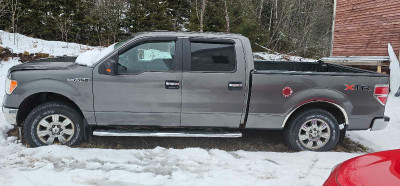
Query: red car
(380, 168)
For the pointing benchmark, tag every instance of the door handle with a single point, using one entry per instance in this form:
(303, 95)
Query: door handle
(172, 84)
(235, 86)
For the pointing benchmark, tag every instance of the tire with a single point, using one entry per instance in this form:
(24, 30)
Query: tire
(51, 123)
(312, 130)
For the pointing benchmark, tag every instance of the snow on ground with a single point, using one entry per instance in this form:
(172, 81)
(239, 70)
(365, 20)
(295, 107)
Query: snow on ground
(32, 45)
(275, 56)
(386, 139)
(161, 166)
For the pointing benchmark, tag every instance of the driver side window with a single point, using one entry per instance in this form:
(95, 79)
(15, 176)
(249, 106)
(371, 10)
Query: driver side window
(155, 56)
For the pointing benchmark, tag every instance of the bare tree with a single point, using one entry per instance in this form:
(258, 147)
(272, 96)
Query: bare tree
(202, 11)
(110, 14)
(261, 8)
(3, 7)
(63, 24)
(14, 15)
(228, 28)
(3, 10)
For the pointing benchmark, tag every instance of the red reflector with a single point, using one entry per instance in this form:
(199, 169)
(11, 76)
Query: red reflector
(381, 90)
(382, 99)
(381, 93)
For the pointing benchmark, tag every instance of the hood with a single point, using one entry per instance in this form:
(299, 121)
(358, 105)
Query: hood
(43, 66)
(381, 168)
(59, 63)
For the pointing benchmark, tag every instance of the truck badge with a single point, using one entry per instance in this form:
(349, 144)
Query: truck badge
(78, 79)
(366, 88)
(287, 91)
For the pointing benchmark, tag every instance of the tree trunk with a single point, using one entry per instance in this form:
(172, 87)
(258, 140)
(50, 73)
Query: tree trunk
(13, 12)
(276, 9)
(261, 9)
(228, 28)
(202, 11)
(270, 19)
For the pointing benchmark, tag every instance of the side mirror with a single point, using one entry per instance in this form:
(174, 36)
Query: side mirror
(110, 67)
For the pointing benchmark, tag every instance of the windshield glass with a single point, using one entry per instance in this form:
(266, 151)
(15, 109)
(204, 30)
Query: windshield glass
(121, 43)
(92, 56)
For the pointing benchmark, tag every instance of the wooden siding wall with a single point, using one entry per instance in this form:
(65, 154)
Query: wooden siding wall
(365, 27)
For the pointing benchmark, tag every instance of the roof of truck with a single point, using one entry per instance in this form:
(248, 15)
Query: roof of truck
(188, 34)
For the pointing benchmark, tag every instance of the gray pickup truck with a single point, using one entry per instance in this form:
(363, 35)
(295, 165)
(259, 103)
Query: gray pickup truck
(172, 84)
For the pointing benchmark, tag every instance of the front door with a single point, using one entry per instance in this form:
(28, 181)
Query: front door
(146, 90)
(213, 83)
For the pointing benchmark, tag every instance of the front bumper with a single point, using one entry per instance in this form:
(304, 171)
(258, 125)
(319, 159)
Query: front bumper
(11, 115)
(380, 123)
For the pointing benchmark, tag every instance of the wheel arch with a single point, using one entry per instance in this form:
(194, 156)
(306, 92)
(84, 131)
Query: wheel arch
(35, 99)
(335, 109)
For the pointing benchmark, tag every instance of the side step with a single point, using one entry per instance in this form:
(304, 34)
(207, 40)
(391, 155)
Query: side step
(148, 133)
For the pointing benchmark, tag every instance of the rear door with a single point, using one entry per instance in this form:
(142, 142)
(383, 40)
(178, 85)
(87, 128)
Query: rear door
(213, 83)
(146, 90)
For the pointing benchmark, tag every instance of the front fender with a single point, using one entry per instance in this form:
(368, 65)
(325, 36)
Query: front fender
(26, 89)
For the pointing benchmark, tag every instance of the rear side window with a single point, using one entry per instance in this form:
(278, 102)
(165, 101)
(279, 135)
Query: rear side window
(212, 57)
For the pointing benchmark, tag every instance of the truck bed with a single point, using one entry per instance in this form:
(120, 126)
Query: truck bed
(311, 81)
(321, 67)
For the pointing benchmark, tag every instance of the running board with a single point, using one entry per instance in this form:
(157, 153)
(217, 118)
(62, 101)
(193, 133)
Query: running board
(147, 133)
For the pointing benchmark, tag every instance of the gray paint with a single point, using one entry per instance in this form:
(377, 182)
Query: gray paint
(309, 87)
(204, 99)
(130, 99)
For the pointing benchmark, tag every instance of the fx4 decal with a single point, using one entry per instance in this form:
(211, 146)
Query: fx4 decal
(366, 88)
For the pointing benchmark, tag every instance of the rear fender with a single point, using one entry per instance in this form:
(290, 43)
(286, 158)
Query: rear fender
(305, 97)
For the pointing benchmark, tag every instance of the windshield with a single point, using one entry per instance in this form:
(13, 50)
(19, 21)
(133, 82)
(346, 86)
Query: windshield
(121, 43)
(92, 56)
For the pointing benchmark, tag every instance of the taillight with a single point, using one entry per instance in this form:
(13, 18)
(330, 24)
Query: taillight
(381, 93)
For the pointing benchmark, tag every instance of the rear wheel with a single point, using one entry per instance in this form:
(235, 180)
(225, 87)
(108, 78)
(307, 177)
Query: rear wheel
(53, 123)
(312, 130)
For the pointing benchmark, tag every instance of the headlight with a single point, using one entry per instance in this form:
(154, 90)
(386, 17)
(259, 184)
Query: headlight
(10, 85)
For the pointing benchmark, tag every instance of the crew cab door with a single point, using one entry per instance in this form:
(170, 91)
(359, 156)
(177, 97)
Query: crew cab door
(146, 88)
(213, 83)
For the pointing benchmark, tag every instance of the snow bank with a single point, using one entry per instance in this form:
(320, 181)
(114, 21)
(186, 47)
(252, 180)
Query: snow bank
(280, 57)
(386, 139)
(394, 71)
(91, 57)
(4, 126)
(32, 45)
(161, 166)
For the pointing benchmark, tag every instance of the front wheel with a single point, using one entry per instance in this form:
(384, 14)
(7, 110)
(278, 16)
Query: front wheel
(312, 130)
(53, 123)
